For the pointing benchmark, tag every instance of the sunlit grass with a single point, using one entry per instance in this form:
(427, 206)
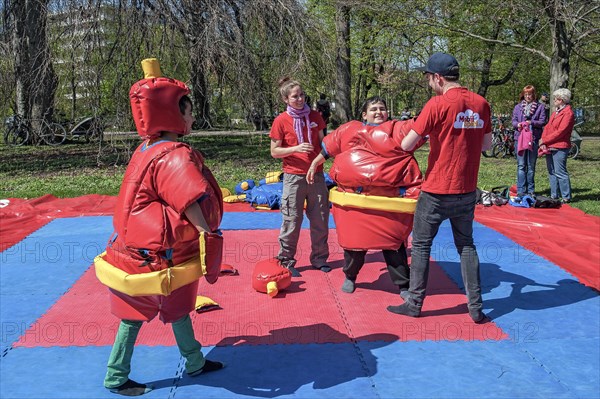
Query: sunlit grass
(78, 169)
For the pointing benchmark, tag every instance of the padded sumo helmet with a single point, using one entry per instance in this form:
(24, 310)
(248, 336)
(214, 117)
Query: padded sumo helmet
(155, 102)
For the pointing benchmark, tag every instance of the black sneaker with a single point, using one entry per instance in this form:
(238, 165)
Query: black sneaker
(324, 268)
(478, 316)
(131, 388)
(209, 366)
(404, 309)
(289, 264)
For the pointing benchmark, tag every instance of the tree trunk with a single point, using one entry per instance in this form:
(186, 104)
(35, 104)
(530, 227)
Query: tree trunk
(343, 109)
(199, 87)
(36, 80)
(561, 48)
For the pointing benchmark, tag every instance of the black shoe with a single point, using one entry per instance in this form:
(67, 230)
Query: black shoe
(405, 310)
(209, 366)
(478, 316)
(324, 268)
(131, 388)
(289, 264)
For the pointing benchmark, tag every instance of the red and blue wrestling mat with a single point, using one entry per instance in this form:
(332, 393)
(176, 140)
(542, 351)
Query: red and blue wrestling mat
(540, 279)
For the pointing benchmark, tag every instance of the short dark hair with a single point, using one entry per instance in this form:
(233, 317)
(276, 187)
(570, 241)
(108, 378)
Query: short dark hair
(372, 100)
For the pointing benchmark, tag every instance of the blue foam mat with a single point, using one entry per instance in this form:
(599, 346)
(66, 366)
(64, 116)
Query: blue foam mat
(460, 369)
(552, 320)
(524, 297)
(259, 221)
(37, 271)
(428, 369)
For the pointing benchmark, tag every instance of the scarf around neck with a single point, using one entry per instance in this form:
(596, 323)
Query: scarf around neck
(529, 107)
(299, 115)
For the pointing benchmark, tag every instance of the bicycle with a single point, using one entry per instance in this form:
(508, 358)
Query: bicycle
(91, 129)
(575, 142)
(506, 145)
(19, 131)
(498, 129)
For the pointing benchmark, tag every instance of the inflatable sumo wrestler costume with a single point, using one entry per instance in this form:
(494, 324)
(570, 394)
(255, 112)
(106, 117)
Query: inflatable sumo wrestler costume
(377, 185)
(153, 262)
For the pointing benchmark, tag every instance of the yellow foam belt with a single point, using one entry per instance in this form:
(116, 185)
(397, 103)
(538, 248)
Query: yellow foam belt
(376, 202)
(161, 282)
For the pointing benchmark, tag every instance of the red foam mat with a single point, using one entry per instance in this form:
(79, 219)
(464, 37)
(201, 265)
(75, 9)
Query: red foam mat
(566, 236)
(20, 217)
(312, 310)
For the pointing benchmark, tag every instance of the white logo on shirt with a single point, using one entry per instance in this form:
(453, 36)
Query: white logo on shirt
(313, 124)
(468, 120)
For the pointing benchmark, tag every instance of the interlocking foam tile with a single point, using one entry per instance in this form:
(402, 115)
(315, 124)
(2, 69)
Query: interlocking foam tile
(439, 369)
(572, 361)
(258, 221)
(286, 371)
(72, 372)
(82, 316)
(535, 293)
(37, 271)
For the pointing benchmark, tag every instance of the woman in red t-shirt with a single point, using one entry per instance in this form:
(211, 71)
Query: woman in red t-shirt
(296, 137)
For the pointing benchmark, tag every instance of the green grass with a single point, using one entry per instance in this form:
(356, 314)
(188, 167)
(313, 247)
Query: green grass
(72, 170)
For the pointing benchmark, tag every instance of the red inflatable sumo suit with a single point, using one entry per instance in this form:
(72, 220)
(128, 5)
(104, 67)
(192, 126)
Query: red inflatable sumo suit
(153, 264)
(378, 184)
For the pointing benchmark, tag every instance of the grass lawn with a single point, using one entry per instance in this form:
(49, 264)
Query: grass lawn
(75, 169)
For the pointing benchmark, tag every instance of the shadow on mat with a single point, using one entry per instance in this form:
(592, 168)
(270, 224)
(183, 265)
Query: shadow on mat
(522, 296)
(274, 370)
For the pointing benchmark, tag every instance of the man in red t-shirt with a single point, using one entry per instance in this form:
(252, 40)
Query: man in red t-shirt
(458, 123)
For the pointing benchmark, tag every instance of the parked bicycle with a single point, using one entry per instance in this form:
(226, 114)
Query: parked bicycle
(498, 130)
(91, 129)
(575, 142)
(505, 146)
(19, 131)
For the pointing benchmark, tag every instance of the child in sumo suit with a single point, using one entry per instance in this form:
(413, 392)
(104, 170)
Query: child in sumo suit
(166, 221)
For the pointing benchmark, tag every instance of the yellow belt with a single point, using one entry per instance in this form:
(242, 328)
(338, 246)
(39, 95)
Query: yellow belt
(376, 202)
(161, 282)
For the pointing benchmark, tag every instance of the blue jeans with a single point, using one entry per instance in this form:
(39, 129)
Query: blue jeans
(432, 210)
(526, 169)
(558, 174)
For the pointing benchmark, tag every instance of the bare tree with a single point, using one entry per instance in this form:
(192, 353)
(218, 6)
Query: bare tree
(34, 74)
(572, 26)
(237, 43)
(343, 73)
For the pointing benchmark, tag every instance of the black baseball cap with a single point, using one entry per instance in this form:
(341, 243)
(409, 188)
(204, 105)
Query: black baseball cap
(442, 64)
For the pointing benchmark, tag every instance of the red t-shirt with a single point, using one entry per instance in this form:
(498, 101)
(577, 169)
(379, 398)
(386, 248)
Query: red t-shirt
(283, 129)
(456, 123)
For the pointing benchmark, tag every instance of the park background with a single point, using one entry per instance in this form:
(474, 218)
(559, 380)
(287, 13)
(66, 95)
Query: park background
(70, 59)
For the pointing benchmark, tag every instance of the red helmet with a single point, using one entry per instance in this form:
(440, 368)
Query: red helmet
(155, 102)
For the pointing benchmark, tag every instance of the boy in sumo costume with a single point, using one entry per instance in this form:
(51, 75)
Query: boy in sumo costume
(166, 230)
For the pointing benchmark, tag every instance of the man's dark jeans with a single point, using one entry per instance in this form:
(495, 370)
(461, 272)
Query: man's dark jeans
(432, 210)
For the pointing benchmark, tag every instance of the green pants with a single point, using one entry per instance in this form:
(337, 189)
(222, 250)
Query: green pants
(119, 362)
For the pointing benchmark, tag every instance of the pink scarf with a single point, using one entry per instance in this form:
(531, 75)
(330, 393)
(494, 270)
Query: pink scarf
(298, 115)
